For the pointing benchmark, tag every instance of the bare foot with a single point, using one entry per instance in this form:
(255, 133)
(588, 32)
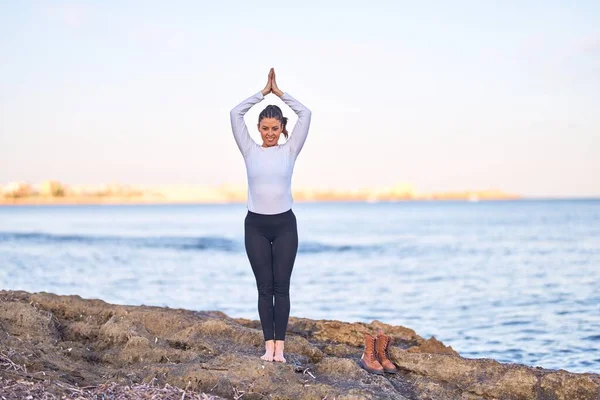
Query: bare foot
(279, 345)
(269, 350)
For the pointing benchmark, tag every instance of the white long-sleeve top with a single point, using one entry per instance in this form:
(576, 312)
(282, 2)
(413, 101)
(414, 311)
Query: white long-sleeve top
(269, 169)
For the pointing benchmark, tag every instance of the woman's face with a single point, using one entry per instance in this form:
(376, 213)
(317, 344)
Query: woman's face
(270, 129)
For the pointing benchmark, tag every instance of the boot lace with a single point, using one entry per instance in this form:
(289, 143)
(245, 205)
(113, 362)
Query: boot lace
(372, 353)
(386, 346)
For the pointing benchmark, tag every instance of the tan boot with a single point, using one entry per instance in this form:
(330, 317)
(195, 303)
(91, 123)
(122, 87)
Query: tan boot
(368, 360)
(382, 346)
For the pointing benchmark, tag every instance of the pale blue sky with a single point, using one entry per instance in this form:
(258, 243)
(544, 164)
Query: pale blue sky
(442, 95)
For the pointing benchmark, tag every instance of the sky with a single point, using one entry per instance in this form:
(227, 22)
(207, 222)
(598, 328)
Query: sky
(463, 95)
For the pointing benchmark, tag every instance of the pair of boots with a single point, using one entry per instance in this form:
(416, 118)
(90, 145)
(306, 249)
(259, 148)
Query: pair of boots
(375, 357)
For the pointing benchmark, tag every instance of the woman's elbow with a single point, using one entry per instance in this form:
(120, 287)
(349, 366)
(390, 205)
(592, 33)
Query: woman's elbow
(237, 110)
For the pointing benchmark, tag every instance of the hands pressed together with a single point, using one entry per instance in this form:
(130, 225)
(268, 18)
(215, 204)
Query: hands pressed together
(271, 85)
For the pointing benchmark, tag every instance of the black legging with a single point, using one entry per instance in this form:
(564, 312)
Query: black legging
(271, 245)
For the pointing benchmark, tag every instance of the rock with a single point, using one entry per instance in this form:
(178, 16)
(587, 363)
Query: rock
(87, 342)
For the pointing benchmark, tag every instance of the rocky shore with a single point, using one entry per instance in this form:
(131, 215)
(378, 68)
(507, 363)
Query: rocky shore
(70, 346)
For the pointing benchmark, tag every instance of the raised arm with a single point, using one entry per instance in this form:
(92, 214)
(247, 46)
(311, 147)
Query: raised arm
(238, 125)
(240, 130)
(300, 131)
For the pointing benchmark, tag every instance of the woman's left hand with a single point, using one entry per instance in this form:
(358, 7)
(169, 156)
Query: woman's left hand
(274, 87)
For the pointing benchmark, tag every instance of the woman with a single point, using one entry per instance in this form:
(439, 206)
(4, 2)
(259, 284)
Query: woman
(271, 235)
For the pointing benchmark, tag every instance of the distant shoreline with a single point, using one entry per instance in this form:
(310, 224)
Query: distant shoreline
(55, 192)
(117, 202)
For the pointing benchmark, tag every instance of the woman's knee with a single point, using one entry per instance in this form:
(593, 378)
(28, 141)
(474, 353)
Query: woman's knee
(281, 288)
(266, 289)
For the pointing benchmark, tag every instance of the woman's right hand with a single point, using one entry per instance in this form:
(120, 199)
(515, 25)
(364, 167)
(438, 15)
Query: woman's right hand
(274, 87)
(269, 87)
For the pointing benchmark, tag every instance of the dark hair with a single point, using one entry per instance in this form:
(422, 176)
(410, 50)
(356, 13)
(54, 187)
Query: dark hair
(272, 111)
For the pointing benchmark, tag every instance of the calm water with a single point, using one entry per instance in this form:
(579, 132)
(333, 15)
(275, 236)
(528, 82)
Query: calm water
(517, 281)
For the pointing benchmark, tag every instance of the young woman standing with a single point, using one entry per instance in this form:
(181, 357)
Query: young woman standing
(270, 230)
